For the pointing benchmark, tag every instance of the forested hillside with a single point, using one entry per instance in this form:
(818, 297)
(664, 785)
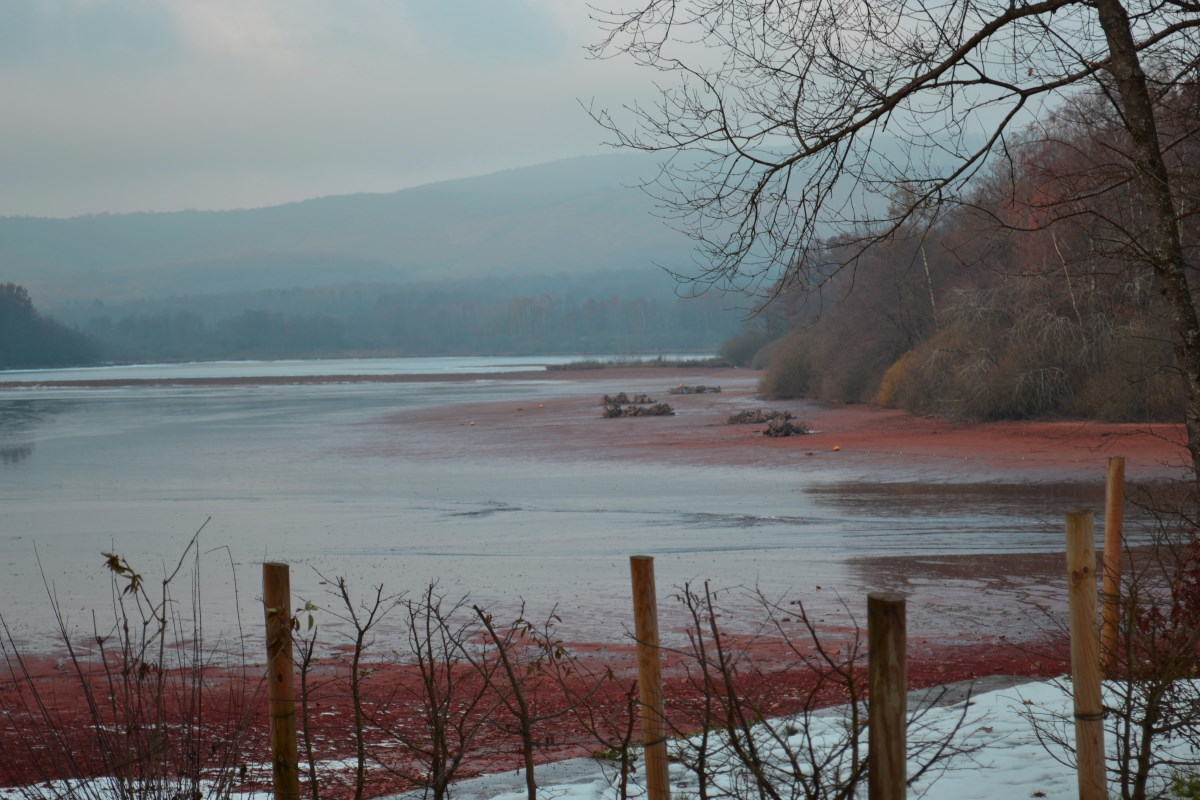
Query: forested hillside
(27, 339)
(555, 258)
(609, 313)
(1018, 302)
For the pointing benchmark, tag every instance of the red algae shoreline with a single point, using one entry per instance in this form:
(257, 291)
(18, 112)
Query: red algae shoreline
(862, 435)
(770, 679)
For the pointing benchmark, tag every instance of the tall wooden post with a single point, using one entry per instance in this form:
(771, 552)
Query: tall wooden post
(887, 682)
(281, 696)
(1085, 656)
(645, 617)
(1114, 501)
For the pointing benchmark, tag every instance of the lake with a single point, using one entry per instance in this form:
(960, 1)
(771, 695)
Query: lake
(309, 474)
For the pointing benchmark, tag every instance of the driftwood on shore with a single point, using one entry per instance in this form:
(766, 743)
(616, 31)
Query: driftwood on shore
(655, 410)
(758, 416)
(698, 389)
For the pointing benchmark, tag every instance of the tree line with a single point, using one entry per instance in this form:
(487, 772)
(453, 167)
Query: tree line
(430, 320)
(1025, 300)
(784, 124)
(29, 339)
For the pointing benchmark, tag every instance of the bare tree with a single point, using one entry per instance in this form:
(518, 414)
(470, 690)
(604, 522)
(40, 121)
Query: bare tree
(783, 120)
(441, 715)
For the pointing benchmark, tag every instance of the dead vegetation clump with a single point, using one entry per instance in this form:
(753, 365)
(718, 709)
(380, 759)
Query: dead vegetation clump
(623, 399)
(781, 426)
(698, 389)
(656, 410)
(758, 416)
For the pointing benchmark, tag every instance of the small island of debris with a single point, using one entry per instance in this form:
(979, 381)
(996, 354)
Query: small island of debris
(698, 389)
(640, 405)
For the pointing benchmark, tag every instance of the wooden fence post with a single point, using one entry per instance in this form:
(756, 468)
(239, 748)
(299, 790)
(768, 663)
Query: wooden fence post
(281, 696)
(1114, 497)
(887, 684)
(645, 617)
(1085, 656)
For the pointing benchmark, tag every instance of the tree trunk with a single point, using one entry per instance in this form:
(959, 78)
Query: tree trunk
(1150, 176)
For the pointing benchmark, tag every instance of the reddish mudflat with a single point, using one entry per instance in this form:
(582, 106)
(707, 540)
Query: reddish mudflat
(235, 727)
(868, 437)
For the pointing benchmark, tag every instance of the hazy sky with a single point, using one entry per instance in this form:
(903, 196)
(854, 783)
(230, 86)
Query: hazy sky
(160, 105)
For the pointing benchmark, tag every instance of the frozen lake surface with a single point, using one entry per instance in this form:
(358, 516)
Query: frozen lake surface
(297, 473)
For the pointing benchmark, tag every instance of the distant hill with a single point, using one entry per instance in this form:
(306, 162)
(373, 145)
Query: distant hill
(574, 216)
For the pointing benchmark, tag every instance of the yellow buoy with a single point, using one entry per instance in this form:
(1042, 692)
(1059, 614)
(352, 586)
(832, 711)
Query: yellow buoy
(472, 422)
(836, 447)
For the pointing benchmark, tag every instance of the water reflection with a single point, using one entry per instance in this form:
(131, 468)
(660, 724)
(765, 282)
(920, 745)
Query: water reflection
(929, 518)
(20, 419)
(1011, 596)
(15, 454)
(930, 499)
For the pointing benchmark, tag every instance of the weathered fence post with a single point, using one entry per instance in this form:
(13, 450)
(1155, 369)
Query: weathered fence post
(281, 696)
(645, 617)
(887, 684)
(1114, 497)
(1085, 656)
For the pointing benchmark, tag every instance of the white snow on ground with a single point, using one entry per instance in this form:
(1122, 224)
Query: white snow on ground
(1010, 762)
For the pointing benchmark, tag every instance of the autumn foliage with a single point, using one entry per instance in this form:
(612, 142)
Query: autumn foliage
(1028, 298)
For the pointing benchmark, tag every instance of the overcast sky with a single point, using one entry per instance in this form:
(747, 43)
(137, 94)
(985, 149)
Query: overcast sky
(161, 105)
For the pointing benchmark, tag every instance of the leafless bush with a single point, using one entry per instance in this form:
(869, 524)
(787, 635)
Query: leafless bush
(149, 709)
(758, 731)
(361, 617)
(513, 660)
(439, 712)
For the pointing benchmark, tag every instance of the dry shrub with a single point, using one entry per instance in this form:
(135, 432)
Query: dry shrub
(896, 380)
(947, 375)
(820, 362)
(791, 371)
(765, 353)
(1013, 352)
(741, 349)
(1135, 381)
